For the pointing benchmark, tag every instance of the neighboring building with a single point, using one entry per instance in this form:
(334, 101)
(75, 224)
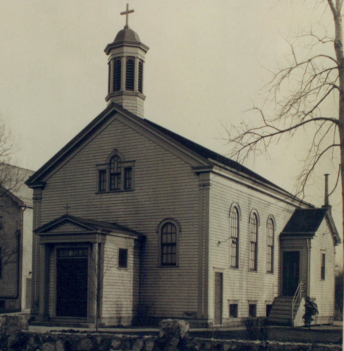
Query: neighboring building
(16, 218)
(172, 226)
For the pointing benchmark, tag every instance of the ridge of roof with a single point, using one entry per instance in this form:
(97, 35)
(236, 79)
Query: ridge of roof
(209, 154)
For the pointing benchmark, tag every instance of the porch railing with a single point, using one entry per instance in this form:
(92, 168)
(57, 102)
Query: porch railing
(296, 299)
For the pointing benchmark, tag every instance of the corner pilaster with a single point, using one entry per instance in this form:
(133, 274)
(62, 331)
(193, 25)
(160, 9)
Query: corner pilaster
(203, 246)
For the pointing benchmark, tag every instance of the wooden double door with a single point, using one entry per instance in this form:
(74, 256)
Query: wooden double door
(71, 283)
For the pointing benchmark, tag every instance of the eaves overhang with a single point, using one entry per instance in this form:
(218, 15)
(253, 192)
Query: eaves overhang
(119, 44)
(297, 236)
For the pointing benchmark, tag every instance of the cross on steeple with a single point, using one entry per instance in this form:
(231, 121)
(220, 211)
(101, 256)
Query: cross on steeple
(126, 13)
(66, 208)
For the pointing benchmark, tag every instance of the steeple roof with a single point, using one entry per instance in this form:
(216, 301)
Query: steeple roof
(127, 35)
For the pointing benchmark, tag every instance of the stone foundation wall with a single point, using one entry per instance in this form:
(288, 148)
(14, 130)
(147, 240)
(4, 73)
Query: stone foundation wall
(14, 335)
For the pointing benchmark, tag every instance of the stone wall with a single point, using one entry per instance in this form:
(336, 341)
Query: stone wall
(14, 335)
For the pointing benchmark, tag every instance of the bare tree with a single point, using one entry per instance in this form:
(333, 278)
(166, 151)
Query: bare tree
(11, 185)
(299, 92)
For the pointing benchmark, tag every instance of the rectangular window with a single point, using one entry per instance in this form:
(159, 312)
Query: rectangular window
(123, 258)
(128, 175)
(233, 311)
(1, 223)
(252, 310)
(0, 262)
(2, 304)
(102, 180)
(323, 258)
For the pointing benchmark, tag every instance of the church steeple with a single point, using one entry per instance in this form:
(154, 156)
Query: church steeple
(126, 63)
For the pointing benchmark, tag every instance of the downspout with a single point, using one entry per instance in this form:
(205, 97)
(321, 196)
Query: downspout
(17, 234)
(309, 266)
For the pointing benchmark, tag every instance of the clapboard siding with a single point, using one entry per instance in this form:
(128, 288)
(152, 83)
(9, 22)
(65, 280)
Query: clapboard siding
(240, 284)
(121, 285)
(165, 187)
(323, 290)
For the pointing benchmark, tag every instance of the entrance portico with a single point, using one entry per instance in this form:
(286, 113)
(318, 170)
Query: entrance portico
(78, 257)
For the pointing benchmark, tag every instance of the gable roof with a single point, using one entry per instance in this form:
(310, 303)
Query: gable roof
(88, 225)
(308, 221)
(192, 148)
(209, 154)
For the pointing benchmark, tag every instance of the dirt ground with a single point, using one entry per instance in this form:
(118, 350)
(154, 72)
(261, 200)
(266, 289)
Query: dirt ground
(317, 334)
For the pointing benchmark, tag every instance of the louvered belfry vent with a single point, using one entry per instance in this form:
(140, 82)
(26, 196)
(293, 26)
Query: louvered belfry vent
(117, 76)
(130, 76)
(140, 76)
(109, 83)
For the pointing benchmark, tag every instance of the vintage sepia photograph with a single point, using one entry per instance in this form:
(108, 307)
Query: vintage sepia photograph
(171, 175)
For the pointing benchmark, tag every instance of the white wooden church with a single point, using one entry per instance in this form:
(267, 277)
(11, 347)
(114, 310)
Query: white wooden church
(130, 215)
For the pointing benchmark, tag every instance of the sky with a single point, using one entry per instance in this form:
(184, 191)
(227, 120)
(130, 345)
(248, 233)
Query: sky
(207, 64)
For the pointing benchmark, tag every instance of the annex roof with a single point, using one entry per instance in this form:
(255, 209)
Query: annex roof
(305, 220)
(308, 221)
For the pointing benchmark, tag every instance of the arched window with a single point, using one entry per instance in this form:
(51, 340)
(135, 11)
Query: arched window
(115, 173)
(130, 74)
(117, 75)
(270, 246)
(168, 244)
(253, 241)
(234, 233)
(140, 76)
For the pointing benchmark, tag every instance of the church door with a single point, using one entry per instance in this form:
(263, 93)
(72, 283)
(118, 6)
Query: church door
(71, 282)
(291, 272)
(218, 298)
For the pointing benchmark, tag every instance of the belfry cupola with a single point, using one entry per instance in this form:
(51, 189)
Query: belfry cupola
(126, 68)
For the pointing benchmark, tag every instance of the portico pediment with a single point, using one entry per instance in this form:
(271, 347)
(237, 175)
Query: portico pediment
(66, 227)
(71, 225)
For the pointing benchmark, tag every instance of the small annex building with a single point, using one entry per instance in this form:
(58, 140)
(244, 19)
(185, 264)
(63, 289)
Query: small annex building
(132, 217)
(16, 218)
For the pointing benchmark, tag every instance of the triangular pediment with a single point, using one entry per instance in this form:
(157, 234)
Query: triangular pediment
(68, 227)
(64, 226)
(111, 113)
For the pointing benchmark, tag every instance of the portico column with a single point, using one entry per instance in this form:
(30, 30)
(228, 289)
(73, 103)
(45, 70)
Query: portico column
(36, 254)
(44, 283)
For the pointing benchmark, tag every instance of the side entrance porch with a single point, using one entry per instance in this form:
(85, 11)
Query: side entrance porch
(307, 266)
